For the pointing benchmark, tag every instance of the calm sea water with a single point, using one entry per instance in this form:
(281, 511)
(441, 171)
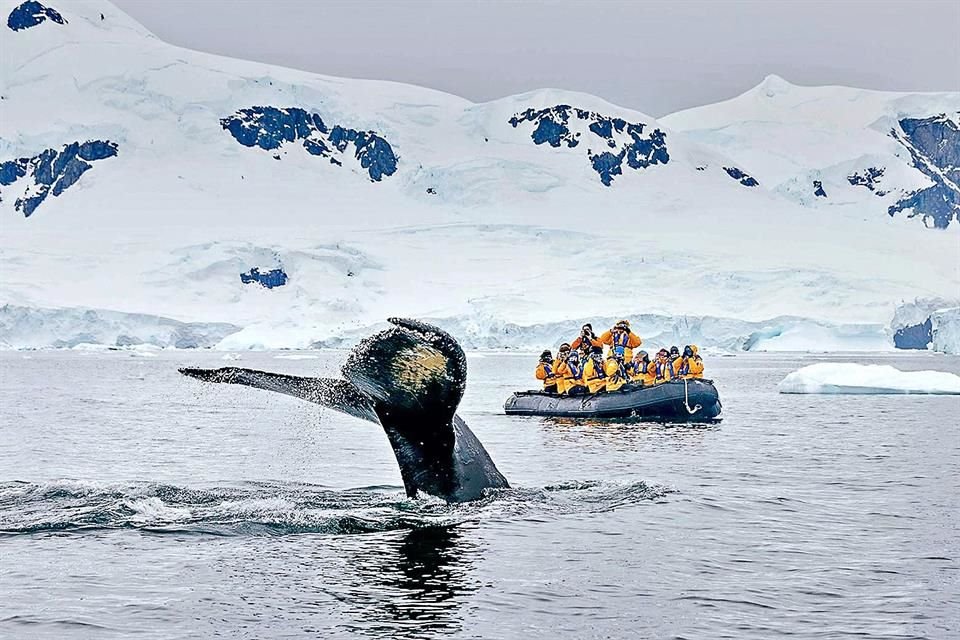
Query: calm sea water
(138, 503)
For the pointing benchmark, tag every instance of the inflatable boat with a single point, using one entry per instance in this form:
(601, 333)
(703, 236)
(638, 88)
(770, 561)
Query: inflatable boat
(677, 400)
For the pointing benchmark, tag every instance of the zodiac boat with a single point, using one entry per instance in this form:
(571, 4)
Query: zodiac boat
(677, 400)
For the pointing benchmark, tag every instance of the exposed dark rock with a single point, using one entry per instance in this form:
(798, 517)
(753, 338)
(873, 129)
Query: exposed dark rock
(741, 177)
(625, 139)
(52, 171)
(934, 146)
(869, 178)
(271, 127)
(30, 14)
(270, 279)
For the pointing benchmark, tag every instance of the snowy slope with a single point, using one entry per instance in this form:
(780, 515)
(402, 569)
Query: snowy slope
(155, 176)
(823, 146)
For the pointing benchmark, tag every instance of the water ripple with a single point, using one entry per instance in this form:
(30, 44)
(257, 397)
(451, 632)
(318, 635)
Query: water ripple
(270, 509)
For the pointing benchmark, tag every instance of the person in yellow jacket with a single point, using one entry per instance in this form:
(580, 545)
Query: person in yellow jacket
(586, 337)
(545, 372)
(690, 364)
(562, 353)
(617, 375)
(662, 367)
(594, 375)
(639, 369)
(621, 340)
(570, 373)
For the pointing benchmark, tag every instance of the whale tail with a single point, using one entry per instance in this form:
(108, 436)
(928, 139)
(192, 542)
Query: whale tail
(339, 395)
(410, 379)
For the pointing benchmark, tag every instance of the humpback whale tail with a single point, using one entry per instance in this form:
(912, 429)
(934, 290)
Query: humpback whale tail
(409, 379)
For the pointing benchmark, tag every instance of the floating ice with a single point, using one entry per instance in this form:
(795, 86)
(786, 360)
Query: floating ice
(852, 378)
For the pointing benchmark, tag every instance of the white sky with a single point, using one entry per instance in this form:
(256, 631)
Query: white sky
(654, 56)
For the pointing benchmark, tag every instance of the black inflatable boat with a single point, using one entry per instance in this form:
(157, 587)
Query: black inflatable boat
(677, 400)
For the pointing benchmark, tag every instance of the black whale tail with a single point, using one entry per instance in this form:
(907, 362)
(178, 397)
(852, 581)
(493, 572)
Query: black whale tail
(409, 379)
(339, 395)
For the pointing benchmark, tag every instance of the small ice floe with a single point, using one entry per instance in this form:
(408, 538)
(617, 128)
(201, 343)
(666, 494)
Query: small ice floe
(852, 378)
(231, 356)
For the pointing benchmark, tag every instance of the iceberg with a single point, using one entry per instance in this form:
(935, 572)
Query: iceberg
(945, 330)
(850, 378)
(928, 323)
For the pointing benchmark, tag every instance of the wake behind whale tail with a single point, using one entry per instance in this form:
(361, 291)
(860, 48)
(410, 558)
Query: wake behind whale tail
(409, 379)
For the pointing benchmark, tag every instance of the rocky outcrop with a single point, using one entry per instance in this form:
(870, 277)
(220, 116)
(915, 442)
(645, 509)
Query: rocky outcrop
(52, 172)
(625, 142)
(270, 128)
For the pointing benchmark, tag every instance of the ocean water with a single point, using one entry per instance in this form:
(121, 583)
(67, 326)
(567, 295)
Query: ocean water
(135, 502)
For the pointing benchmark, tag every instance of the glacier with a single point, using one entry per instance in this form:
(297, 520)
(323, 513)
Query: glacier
(945, 330)
(376, 199)
(27, 328)
(860, 143)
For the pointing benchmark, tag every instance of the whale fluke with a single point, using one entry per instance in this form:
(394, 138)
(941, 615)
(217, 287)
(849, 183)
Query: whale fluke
(410, 379)
(329, 392)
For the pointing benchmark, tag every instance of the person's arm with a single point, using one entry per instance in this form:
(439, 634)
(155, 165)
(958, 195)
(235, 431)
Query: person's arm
(634, 341)
(605, 338)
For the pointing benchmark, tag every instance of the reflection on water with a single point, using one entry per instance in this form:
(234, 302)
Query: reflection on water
(412, 584)
(627, 433)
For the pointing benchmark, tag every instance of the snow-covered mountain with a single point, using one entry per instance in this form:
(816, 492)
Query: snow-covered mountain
(822, 146)
(140, 177)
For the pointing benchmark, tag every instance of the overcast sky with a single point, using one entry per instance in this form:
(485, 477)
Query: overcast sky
(653, 56)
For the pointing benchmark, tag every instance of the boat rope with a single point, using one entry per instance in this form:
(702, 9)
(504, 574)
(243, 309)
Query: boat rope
(686, 400)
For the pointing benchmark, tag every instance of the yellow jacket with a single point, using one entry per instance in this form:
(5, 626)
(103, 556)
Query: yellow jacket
(615, 375)
(692, 368)
(594, 379)
(640, 372)
(661, 372)
(576, 343)
(629, 342)
(545, 373)
(568, 378)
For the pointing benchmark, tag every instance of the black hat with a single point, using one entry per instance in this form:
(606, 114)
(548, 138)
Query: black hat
(546, 355)
(674, 350)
